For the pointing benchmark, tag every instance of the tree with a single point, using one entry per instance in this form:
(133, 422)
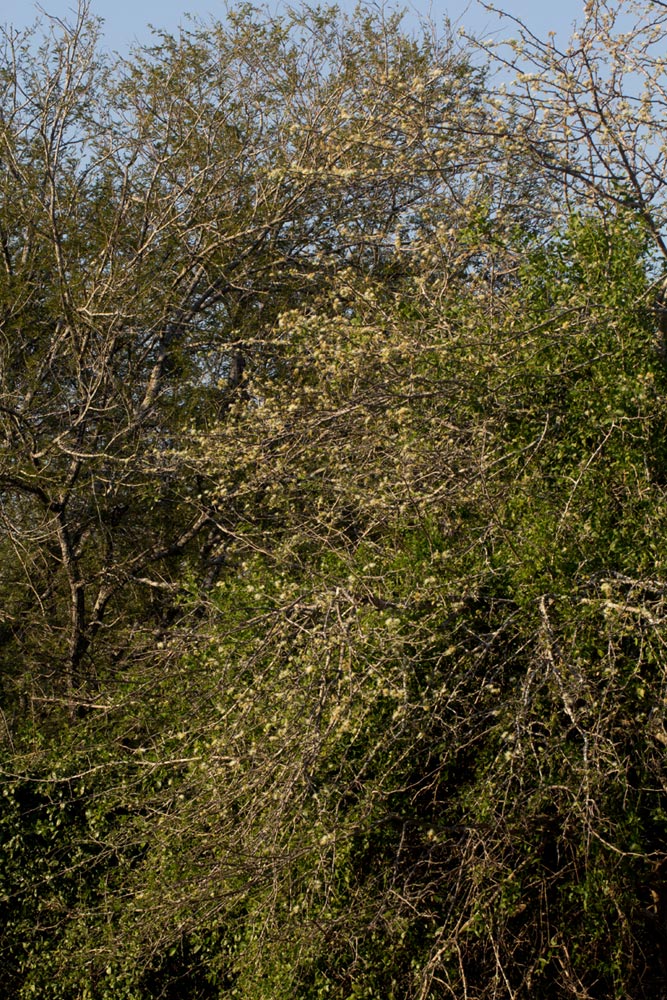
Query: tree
(590, 115)
(157, 218)
(426, 742)
(415, 425)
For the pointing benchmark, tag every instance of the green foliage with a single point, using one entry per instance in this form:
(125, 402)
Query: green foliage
(370, 690)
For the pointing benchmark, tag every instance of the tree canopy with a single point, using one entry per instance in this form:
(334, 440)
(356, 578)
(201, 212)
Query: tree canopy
(332, 480)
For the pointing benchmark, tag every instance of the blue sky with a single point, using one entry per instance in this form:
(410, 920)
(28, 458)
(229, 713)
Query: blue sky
(126, 20)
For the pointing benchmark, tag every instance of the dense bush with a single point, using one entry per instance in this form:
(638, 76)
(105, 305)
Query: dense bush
(333, 584)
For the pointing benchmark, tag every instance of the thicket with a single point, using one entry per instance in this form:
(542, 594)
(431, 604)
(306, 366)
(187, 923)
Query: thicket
(334, 554)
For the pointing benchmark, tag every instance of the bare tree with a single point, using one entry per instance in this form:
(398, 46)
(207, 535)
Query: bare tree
(591, 114)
